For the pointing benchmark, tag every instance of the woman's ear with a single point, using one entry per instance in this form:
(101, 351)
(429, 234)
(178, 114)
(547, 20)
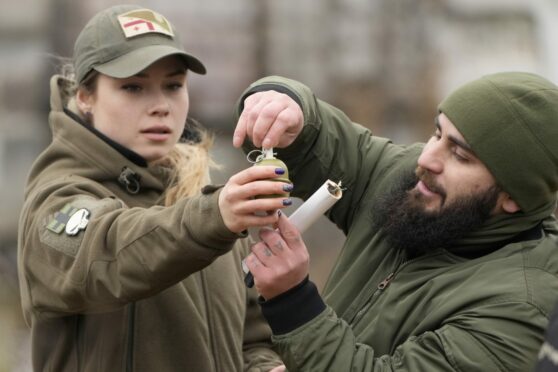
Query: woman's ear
(84, 101)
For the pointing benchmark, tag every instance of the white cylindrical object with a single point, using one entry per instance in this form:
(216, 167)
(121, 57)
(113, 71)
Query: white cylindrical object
(320, 201)
(305, 215)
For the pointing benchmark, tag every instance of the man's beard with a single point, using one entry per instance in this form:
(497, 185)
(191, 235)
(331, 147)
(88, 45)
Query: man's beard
(401, 215)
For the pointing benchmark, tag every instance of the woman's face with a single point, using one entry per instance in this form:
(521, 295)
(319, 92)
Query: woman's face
(146, 113)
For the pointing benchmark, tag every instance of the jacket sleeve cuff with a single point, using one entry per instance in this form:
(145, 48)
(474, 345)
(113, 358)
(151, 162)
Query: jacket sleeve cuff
(266, 87)
(294, 308)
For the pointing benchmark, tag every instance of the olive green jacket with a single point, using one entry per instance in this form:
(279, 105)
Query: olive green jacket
(481, 304)
(112, 281)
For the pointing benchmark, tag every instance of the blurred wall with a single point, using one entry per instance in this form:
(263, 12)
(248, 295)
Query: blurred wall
(387, 63)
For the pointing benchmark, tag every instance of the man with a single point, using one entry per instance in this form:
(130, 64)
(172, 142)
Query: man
(451, 256)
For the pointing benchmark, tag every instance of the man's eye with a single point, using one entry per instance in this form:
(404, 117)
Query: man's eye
(459, 157)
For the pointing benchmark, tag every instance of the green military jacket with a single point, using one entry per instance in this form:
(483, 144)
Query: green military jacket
(112, 281)
(481, 304)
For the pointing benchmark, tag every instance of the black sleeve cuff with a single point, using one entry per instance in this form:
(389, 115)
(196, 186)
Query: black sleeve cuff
(293, 308)
(266, 87)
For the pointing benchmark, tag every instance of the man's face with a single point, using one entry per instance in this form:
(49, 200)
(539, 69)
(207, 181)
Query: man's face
(450, 194)
(448, 169)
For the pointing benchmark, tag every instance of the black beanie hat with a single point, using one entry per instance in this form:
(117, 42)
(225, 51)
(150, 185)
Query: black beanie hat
(510, 120)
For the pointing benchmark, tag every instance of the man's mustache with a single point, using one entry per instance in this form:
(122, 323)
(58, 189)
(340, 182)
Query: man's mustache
(428, 179)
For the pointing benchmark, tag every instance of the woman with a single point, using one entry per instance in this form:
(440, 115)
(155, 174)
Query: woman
(123, 264)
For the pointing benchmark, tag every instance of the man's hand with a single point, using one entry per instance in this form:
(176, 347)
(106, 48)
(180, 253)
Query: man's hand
(269, 119)
(280, 260)
(280, 368)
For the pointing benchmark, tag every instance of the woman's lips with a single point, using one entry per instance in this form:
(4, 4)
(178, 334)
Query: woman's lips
(157, 134)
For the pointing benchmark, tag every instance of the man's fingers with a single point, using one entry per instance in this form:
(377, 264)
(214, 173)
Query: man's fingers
(289, 232)
(274, 241)
(279, 130)
(262, 252)
(266, 121)
(253, 263)
(269, 119)
(245, 120)
(239, 132)
(258, 115)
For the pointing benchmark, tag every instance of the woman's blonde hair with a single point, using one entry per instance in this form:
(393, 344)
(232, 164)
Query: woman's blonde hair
(190, 163)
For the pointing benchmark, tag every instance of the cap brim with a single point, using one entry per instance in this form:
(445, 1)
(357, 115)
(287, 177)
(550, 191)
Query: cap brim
(138, 60)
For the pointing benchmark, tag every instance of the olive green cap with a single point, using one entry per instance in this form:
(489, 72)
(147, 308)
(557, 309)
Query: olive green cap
(123, 40)
(510, 120)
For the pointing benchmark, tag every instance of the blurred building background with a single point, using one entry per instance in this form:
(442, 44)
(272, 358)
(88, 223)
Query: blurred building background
(386, 63)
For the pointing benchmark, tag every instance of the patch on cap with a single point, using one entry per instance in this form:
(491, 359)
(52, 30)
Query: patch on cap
(144, 21)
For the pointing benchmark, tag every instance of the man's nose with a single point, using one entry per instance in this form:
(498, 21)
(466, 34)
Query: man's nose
(432, 158)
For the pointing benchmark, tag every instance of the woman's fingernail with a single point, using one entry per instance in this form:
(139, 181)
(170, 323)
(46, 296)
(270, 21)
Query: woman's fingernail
(279, 213)
(287, 202)
(279, 171)
(287, 187)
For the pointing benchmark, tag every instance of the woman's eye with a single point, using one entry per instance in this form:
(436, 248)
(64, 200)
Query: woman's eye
(131, 88)
(175, 86)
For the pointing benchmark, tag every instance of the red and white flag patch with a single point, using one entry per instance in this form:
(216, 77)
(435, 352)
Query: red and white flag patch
(144, 21)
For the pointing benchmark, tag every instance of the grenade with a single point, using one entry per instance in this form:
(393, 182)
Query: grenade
(267, 158)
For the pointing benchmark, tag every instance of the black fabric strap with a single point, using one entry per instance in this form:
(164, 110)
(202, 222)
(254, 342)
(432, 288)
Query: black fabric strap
(293, 308)
(266, 87)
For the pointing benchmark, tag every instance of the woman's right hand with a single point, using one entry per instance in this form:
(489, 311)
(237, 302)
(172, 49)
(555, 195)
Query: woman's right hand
(269, 119)
(238, 204)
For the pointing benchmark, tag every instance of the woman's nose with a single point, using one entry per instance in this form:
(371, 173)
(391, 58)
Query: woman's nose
(160, 105)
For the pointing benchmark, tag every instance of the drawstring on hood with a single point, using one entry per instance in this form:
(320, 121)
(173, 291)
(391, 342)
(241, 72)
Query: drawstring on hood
(130, 180)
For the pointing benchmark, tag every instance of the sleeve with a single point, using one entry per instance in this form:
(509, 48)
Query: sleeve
(330, 146)
(117, 254)
(258, 354)
(309, 336)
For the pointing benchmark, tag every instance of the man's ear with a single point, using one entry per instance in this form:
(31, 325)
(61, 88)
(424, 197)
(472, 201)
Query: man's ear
(508, 204)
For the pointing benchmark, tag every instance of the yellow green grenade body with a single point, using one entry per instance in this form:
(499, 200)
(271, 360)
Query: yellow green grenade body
(267, 159)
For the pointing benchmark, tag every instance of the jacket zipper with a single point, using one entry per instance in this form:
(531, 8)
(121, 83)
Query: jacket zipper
(79, 318)
(210, 325)
(379, 288)
(383, 285)
(130, 344)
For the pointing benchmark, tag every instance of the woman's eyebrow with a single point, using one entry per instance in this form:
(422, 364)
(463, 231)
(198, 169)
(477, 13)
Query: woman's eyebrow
(177, 72)
(170, 74)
